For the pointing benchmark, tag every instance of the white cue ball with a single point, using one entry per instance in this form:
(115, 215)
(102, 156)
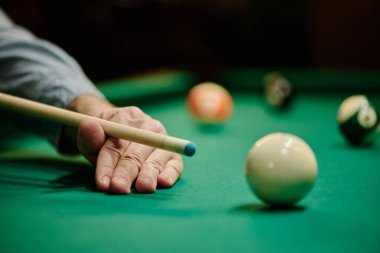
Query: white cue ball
(281, 169)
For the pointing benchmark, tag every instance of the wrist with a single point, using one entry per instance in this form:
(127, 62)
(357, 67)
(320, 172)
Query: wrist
(89, 104)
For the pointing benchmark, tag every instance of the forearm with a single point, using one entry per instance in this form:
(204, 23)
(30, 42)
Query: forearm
(38, 70)
(35, 69)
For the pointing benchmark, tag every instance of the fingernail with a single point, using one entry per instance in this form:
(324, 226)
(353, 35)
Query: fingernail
(106, 180)
(123, 185)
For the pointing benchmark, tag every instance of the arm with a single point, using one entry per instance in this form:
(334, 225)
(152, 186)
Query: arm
(40, 71)
(37, 70)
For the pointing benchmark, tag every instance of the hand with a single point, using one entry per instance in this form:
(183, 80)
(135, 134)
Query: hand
(120, 163)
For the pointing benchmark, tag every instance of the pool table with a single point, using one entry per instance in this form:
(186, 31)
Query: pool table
(48, 202)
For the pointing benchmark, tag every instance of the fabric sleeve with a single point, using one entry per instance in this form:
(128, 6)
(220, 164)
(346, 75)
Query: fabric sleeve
(38, 70)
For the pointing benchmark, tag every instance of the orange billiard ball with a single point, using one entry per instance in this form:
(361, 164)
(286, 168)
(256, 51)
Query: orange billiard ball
(210, 103)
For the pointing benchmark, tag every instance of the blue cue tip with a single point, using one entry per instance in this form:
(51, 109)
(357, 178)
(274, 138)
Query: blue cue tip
(190, 149)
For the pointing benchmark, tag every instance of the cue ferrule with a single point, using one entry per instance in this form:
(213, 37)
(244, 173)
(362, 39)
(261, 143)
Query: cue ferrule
(113, 129)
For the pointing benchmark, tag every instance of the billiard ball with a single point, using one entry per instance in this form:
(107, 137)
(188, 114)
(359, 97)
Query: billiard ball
(278, 90)
(281, 169)
(358, 120)
(210, 103)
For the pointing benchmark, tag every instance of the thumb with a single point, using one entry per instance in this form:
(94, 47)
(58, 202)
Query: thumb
(90, 139)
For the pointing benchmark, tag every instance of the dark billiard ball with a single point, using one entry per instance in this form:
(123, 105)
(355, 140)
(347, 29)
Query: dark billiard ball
(278, 90)
(281, 169)
(358, 120)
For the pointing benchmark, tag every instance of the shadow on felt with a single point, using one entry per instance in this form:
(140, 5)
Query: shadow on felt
(265, 209)
(36, 173)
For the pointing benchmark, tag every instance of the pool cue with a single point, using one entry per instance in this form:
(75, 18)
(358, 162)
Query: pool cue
(113, 129)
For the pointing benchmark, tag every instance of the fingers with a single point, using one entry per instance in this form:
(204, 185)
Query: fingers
(121, 163)
(128, 168)
(107, 162)
(141, 164)
(150, 170)
(171, 172)
(161, 169)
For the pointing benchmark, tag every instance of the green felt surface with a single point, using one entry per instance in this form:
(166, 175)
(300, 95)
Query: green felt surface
(48, 203)
(147, 87)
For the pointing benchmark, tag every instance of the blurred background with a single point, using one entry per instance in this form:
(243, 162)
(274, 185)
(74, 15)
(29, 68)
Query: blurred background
(113, 38)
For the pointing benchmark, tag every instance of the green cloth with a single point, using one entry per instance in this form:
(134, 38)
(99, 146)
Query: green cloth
(49, 204)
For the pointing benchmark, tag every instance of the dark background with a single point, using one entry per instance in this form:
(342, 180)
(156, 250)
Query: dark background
(113, 38)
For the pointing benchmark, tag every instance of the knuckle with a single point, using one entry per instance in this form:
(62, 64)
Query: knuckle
(176, 166)
(109, 114)
(113, 149)
(133, 116)
(155, 165)
(158, 127)
(177, 169)
(104, 167)
(135, 158)
(134, 112)
(116, 146)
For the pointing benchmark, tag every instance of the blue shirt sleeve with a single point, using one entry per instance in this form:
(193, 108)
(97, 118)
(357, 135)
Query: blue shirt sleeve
(38, 70)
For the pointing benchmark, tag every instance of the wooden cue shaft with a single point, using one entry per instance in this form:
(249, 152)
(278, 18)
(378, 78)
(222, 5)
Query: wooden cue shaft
(111, 128)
